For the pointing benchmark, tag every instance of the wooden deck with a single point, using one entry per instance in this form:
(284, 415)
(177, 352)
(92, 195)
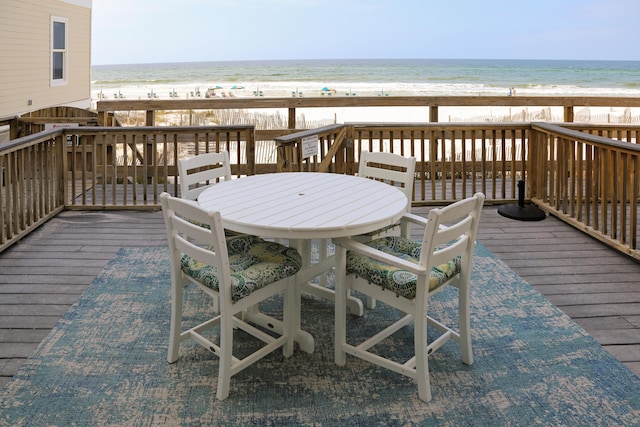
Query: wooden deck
(42, 276)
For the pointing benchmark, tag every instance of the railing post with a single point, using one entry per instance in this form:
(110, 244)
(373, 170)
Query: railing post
(61, 165)
(292, 118)
(568, 113)
(349, 148)
(13, 128)
(102, 118)
(150, 118)
(433, 113)
(532, 166)
(282, 163)
(251, 152)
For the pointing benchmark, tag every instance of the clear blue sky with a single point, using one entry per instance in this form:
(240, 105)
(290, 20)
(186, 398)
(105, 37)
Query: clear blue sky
(148, 31)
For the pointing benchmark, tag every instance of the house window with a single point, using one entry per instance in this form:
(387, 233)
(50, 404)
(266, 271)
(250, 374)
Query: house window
(58, 51)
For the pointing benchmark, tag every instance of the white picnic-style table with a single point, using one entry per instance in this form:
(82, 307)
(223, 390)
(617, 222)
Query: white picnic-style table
(306, 206)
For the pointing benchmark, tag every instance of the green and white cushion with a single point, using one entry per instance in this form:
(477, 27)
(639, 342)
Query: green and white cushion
(393, 278)
(255, 263)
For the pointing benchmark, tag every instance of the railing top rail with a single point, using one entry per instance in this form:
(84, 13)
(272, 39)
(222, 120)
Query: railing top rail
(562, 131)
(30, 139)
(95, 130)
(598, 126)
(372, 101)
(442, 125)
(8, 119)
(287, 139)
(158, 129)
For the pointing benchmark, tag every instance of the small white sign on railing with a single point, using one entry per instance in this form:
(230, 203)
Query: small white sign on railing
(49, 126)
(309, 146)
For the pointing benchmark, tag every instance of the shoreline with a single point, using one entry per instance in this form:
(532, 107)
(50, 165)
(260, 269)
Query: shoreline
(384, 114)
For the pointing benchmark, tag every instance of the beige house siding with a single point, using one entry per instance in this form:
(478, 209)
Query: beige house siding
(25, 55)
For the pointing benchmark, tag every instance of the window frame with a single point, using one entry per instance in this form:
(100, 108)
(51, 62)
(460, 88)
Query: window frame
(54, 51)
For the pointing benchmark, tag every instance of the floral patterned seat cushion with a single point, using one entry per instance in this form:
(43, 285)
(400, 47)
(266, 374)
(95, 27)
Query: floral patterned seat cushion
(255, 263)
(395, 279)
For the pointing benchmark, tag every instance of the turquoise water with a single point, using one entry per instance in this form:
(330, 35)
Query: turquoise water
(431, 77)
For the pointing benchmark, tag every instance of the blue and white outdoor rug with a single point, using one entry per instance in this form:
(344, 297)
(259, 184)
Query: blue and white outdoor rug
(105, 364)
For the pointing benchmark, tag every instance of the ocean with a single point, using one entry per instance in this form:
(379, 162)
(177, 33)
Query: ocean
(382, 77)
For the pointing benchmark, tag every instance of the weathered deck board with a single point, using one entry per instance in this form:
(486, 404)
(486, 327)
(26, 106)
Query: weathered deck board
(595, 285)
(44, 274)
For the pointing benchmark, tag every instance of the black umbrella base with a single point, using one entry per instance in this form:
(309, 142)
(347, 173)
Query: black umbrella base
(522, 213)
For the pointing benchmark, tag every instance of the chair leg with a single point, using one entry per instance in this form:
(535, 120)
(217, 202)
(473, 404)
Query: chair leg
(422, 356)
(290, 315)
(420, 326)
(371, 302)
(226, 350)
(323, 253)
(340, 308)
(465, 325)
(175, 327)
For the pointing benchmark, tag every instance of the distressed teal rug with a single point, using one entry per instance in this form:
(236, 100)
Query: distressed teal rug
(105, 364)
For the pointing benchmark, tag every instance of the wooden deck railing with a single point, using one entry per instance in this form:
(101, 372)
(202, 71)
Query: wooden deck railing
(588, 180)
(129, 167)
(103, 168)
(324, 149)
(32, 187)
(453, 160)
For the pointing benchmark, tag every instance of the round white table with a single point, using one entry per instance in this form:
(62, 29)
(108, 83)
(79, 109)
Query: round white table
(304, 206)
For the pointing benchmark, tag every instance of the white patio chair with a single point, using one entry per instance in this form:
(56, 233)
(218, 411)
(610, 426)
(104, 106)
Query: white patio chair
(392, 169)
(405, 274)
(240, 271)
(199, 172)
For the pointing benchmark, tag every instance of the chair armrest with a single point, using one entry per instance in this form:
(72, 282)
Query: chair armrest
(360, 248)
(415, 219)
(408, 220)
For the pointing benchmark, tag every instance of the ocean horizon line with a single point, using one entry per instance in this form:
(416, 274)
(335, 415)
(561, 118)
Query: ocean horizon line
(361, 59)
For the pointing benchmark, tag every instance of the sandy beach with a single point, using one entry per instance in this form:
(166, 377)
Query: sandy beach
(316, 117)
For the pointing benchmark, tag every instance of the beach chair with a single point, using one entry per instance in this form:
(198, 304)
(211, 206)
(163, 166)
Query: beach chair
(258, 271)
(404, 274)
